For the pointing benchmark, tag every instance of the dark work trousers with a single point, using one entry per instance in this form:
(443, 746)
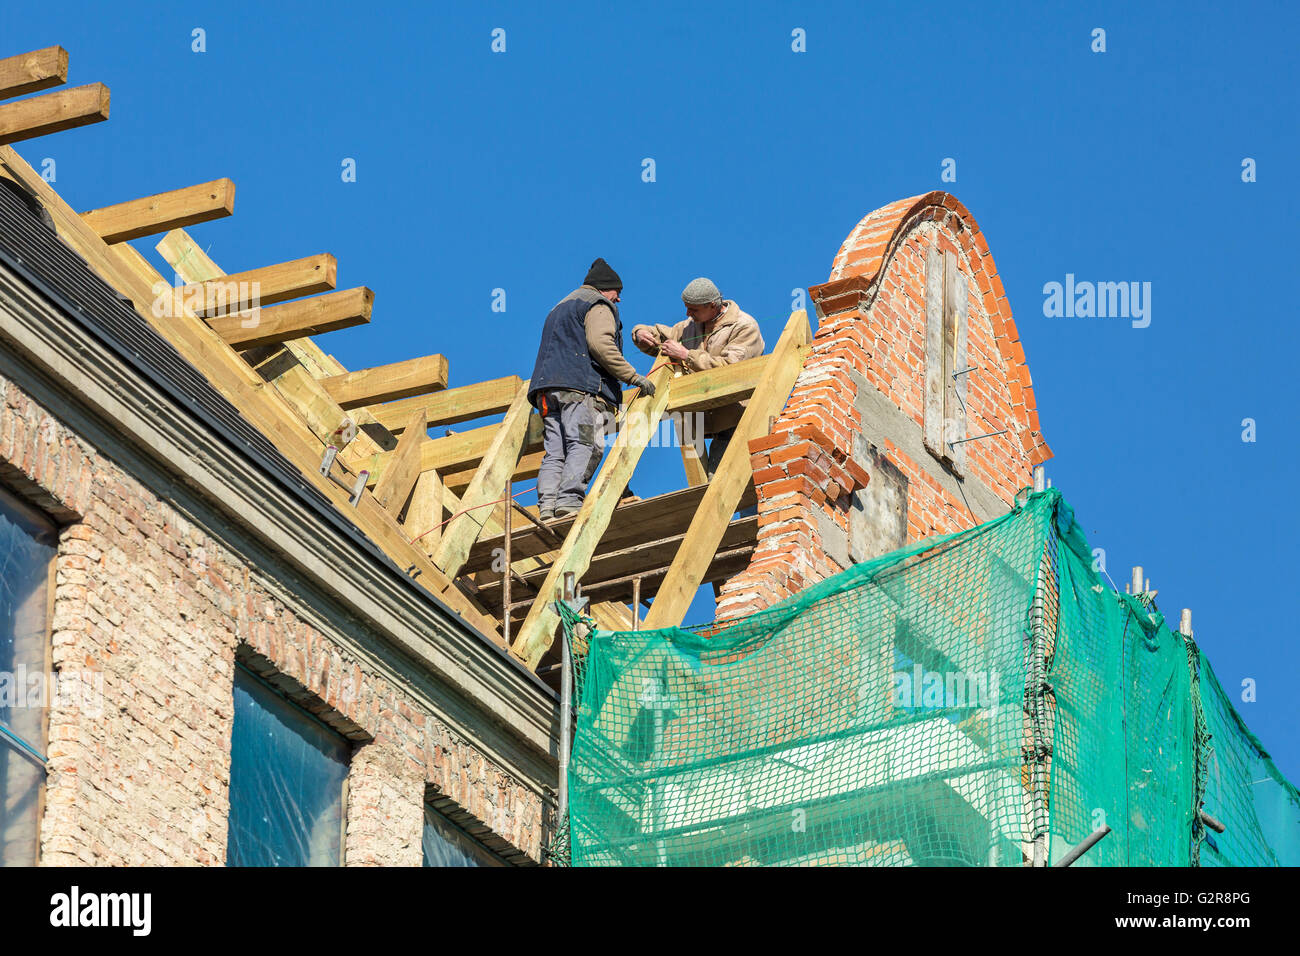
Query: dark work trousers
(573, 442)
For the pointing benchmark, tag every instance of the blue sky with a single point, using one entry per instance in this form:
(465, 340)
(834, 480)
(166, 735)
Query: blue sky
(478, 171)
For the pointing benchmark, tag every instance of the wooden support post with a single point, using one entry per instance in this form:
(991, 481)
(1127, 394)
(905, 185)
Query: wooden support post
(643, 415)
(386, 382)
(33, 72)
(424, 512)
(727, 485)
(506, 573)
(403, 467)
(53, 112)
(164, 211)
(696, 473)
(297, 319)
(494, 472)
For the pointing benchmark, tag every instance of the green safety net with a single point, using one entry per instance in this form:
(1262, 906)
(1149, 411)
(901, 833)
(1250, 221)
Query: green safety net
(977, 699)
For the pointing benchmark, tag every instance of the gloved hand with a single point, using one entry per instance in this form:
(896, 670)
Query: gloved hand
(646, 386)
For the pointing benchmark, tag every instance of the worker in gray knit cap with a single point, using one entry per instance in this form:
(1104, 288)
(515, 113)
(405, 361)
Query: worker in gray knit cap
(715, 332)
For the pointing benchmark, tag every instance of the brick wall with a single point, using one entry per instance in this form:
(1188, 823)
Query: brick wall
(162, 608)
(871, 338)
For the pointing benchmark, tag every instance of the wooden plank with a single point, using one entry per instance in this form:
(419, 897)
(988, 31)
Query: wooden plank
(297, 319)
(491, 477)
(240, 291)
(403, 468)
(424, 513)
(452, 406)
(163, 211)
(128, 272)
(386, 382)
(34, 71)
(643, 415)
(728, 483)
(53, 113)
(716, 387)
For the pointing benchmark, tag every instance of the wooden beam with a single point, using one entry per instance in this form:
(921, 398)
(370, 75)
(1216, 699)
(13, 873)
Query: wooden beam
(53, 112)
(34, 71)
(725, 385)
(493, 473)
(164, 211)
(730, 480)
(193, 265)
(128, 272)
(424, 513)
(386, 382)
(461, 404)
(696, 473)
(643, 415)
(297, 319)
(528, 467)
(403, 467)
(240, 291)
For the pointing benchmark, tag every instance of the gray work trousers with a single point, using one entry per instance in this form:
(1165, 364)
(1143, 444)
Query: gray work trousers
(717, 448)
(573, 442)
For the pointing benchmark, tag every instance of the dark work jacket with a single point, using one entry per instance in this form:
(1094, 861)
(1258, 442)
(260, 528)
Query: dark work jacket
(564, 361)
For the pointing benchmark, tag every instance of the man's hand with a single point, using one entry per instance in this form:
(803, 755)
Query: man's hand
(674, 350)
(645, 337)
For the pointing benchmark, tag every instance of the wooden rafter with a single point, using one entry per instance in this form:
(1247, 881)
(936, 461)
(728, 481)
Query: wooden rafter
(386, 382)
(239, 291)
(53, 112)
(404, 468)
(643, 415)
(452, 406)
(163, 211)
(127, 271)
(489, 483)
(33, 72)
(297, 319)
(728, 483)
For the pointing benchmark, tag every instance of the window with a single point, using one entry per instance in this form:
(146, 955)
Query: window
(946, 370)
(446, 844)
(27, 547)
(287, 777)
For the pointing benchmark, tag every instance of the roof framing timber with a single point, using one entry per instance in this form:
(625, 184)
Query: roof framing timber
(538, 631)
(386, 382)
(452, 406)
(131, 274)
(728, 483)
(53, 112)
(241, 291)
(33, 72)
(163, 211)
(296, 319)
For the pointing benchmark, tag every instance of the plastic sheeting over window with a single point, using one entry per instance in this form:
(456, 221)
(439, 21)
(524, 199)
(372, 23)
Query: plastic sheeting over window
(27, 547)
(446, 845)
(287, 772)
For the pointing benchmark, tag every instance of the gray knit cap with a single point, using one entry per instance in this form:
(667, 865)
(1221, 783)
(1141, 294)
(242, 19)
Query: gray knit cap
(701, 291)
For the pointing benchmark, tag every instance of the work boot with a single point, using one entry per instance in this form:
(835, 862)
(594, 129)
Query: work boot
(565, 511)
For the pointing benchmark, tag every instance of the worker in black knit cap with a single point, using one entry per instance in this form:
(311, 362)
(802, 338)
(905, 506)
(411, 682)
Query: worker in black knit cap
(576, 387)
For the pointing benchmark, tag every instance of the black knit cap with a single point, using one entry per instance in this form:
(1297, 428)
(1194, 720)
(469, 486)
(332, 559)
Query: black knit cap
(601, 276)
